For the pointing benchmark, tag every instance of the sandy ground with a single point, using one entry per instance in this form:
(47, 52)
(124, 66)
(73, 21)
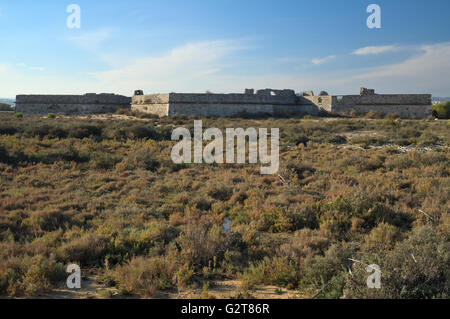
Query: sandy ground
(225, 289)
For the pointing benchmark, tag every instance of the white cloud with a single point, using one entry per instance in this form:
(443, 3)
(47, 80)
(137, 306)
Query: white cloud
(426, 71)
(184, 67)
(375, 50)
(197, 67)
(319, 61)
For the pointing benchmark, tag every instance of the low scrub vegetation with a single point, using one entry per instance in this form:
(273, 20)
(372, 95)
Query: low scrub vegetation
(442, 110)
(105, 194)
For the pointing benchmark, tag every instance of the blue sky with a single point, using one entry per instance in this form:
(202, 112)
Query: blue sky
(224, 46)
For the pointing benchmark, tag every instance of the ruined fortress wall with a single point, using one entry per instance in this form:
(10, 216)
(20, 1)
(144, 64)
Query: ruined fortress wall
(406, 105)
(321, 102)
(71, 104)
(388, 99)
(405, 111)
(222, 104)
(232, 98)
(157, 104)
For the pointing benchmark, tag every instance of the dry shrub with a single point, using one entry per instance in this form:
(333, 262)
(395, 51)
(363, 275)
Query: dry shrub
(272, 271)
(88, 249)
(204, 242)
(305, 243)
(145, 276)
(383, 236)
(140, 157)
(30, 276)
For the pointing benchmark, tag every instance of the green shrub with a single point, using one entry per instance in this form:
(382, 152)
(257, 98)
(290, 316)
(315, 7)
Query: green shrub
(272, 271)
(51, 116)
(325, 274)
(222, 193)
(4, 155)
(416, 268)
(18, 115)
(441, 110)
(83, 131)
(106, 161)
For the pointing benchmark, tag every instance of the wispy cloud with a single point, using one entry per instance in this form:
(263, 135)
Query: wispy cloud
(424, 71)
(375, 50)
(33, 68)
(177, 69)
(319, 61)
(37, 68)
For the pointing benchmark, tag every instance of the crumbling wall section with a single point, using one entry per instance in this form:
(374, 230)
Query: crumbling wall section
(71, 104)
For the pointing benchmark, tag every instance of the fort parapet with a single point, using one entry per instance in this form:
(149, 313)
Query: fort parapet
(281, 102)
(266, 101)
(405, 105)
(90, 103)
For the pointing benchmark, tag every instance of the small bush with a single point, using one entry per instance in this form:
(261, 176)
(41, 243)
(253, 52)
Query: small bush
(416, 268)
(222, 193)
(441, 110)
(106, 161)
(51, 116)
(272, 271)
(89, 249)
(392, 116)
(140, 158)
(145, 276)
(18, 115)
(374, 115)
(84, 131)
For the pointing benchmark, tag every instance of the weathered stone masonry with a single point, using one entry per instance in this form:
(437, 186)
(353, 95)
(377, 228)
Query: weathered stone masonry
(71, 104)
(282, 102)
(267, 101)
(406, 105)
(263, 102)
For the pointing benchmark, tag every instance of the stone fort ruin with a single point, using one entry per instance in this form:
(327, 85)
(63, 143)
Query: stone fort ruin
(267, 101)
(90, 103)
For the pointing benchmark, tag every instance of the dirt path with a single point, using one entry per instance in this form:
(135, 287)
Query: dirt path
(224, 289)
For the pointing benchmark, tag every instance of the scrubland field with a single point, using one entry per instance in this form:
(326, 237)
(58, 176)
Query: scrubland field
(102, 192)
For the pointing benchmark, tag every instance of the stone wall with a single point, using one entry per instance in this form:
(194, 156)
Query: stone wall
(71, 104)
(268, 101)
(406, 105)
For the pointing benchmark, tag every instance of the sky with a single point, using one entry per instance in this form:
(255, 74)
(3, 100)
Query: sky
(223, 46)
